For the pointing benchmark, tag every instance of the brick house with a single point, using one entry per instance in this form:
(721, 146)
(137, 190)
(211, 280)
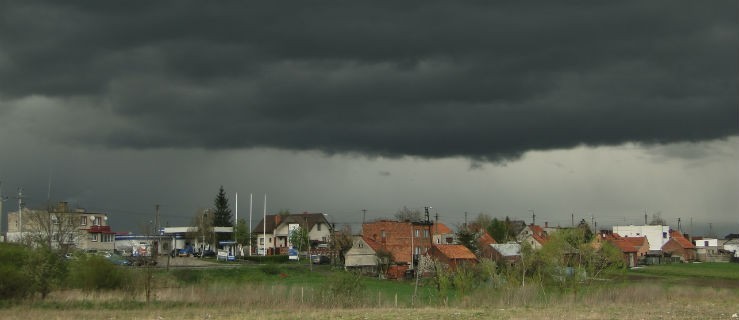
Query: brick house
(679, 246)
(406, 241)
(453, 255)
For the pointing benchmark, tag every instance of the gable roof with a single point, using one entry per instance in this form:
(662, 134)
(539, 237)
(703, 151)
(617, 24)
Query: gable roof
(302, 218)
(485, 240)
(623, 245)
(271, 224)
(455, 251)
(678, 237)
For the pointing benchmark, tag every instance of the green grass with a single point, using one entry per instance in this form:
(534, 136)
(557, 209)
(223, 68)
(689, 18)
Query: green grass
(724, 271)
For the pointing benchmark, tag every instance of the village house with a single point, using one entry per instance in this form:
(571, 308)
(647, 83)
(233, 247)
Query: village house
(483, 245)
(634, 249)
(505, 253)
(273, 232)
(405, 241)
(453, 255)
(63, 227)
(656, 235)
(533, 235)
(362, 257)
(679, 247)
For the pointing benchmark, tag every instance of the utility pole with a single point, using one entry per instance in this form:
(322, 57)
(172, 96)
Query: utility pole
(573, 218)
(678, 225)
(364, 213)
(533, 217)
(465, 220)
(645, 216)
(20, 213)
(2, 199)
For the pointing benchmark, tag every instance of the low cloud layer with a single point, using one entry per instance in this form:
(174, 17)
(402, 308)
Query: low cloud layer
(485, 81)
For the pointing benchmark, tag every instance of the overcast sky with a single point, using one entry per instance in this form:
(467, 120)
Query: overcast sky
(602, 110)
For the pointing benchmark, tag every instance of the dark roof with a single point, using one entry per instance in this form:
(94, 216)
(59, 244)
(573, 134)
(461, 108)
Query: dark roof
(270, 224)
(274, 220)
(310, 218)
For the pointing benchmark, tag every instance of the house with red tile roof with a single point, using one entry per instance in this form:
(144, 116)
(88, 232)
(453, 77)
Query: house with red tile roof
(362, 257)
(634, 249)
(453, 255)
(533, 235)
(404, 240)
(483, 244)
(679, 246)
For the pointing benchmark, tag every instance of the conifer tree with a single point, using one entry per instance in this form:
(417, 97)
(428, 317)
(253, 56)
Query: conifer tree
(222, 214)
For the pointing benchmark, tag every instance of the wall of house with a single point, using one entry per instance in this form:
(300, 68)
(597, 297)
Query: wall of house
(656, 235)
(676, 250)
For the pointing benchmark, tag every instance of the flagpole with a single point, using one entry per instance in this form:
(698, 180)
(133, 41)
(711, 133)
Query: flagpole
(264, 225)
(250, 230)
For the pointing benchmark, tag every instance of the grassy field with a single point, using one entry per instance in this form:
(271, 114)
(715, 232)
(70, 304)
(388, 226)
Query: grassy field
(726, 271)
(294, 292)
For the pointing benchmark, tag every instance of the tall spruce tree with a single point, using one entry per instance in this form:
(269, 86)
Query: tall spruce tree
(222, 214)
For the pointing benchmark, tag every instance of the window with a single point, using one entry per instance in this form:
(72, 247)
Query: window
(319, 226)
(261, 241)
(360, 245)
(664, 235)
(83, 221)
(418, 233)
(425, 233)
(705, 243)
(382, 234)
(93, 237)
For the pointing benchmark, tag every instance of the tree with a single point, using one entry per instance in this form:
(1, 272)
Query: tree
(222, 214)
(657, 220)
(299, 238)
(203, 220)
(584, 228)
(468, 238)
(497, 230)
(407, 214)
(50, 228)
(243, 235)
(481, 222)
(341, 242)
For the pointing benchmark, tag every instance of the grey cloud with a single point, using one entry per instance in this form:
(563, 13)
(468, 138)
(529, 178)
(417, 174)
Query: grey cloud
(432, 79)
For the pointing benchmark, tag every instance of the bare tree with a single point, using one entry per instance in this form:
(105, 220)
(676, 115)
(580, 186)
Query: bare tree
(657, 219)
(408, 214)
(53, 229)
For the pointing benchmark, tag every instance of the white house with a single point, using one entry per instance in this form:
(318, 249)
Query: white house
(656, 235)
(362, 257)
(732, 245)
(274, 234)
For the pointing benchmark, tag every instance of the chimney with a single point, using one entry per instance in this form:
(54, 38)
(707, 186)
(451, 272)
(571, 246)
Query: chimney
(546, 224)
(278, 219)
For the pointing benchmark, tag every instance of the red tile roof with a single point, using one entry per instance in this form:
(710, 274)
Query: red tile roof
(624, 245)
(455, 251)
(674, 234)
(486, 240)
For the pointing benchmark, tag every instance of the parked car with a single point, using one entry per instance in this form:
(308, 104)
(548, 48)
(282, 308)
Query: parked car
(117, 260)
(320, 259)
(205, 254)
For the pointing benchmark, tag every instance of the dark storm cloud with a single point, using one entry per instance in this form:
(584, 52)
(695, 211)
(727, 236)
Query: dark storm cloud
(485, 81)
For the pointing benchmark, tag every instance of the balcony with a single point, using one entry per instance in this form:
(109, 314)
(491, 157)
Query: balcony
(99, 229)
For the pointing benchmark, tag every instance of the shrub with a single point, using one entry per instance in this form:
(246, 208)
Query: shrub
(187, 275)
(267, 259)
(92, 272)
(13, 280)
(344, 289)
(270, 269)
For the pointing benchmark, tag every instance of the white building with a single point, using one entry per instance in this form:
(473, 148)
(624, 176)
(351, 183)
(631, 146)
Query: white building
(657, 235)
